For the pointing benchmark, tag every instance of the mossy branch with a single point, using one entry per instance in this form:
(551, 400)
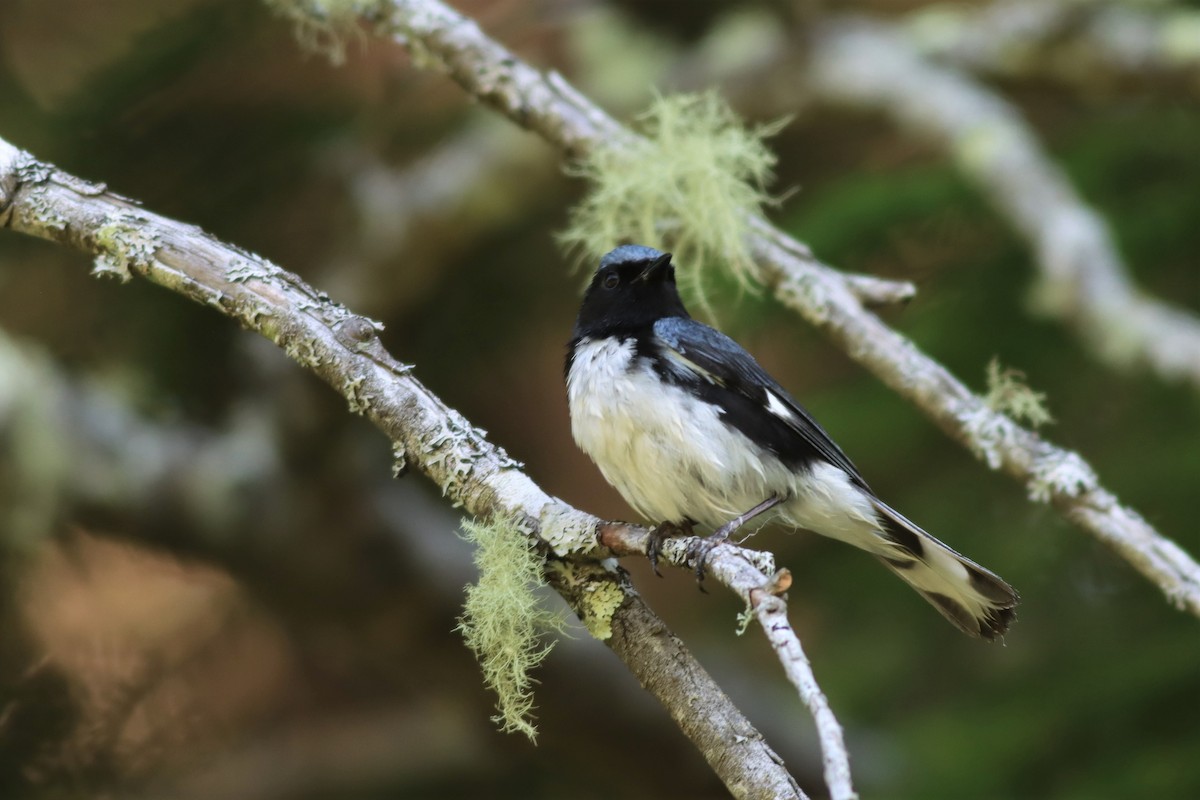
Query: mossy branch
(344, 350)
(548, 105)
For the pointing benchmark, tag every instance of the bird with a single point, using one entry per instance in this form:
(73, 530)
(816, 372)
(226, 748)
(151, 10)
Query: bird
(691, 430)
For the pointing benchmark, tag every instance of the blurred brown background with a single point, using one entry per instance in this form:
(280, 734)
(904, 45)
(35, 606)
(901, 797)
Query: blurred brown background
(212, 588)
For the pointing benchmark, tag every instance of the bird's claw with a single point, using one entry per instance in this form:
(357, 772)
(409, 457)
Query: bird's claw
(699, 552)
(659, 534)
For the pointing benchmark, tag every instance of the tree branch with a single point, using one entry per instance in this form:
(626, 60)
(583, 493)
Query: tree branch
(344, 350)
(1077, 41)
(1083, 281)
(549, 106)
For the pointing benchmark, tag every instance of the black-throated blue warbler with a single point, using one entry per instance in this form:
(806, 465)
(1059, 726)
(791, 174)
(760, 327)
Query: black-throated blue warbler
(691, 430)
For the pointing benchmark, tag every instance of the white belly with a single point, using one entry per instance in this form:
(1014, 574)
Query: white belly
(667, 453)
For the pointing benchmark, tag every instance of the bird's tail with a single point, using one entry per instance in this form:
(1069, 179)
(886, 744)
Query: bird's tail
(978, 602)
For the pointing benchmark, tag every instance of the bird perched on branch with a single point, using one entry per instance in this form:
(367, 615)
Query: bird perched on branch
(691, 430)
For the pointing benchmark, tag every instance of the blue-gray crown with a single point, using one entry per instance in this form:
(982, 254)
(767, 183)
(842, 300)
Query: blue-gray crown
(630, 254)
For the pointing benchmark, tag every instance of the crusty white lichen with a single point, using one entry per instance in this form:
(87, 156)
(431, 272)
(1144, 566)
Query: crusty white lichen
(454, 450)
(240, 271)
(807, 292)
(29, 170)
(357, 400)
(124, 243)
(301, 350)
(324, 26)
(568, 531)
(503, 621)
(989, 434)
(399, 459)
(43, 218)
(1060, 474)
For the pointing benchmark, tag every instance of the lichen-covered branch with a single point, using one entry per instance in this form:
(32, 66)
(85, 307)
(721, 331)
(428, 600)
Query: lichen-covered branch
(549, 106)
(344, 350)
(745, 572)
(1077, 41)
(1082, 278)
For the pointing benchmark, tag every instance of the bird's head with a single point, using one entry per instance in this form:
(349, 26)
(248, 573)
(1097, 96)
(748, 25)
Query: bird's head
(633, 288)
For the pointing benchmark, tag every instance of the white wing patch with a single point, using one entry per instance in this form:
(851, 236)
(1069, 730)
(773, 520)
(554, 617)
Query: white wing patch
(779, 408)
(692, 366)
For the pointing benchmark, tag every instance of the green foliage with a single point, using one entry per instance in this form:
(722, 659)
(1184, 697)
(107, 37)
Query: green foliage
(1008, 394)
(502, 621)
(323, 26)
(688, 186)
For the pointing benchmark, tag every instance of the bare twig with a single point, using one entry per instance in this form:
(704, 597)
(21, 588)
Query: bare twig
(746, 571)
(548, 105)
(344, 350)
(1083, 280)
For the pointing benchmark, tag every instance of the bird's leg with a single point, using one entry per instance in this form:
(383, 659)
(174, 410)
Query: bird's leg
(659, 534)
(702, 548)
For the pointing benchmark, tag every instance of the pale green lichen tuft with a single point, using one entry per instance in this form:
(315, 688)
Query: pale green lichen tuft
(689, 186)
(325, 26)
(503, 622)
(123, 243)
(1008, 394)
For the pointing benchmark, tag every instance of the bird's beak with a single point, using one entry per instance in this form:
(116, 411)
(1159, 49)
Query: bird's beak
(656, 269)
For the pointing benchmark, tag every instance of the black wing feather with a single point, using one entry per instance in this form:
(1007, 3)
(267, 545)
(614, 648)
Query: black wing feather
(733, 380)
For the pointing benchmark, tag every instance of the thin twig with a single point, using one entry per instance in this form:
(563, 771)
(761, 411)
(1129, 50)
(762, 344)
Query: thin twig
(746, 573)
(551, 107)
(344, 350)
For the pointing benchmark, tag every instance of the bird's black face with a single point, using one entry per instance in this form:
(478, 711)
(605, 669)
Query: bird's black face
(634, 287)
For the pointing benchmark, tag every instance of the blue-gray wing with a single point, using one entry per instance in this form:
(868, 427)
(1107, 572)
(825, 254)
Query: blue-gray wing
(752, 401)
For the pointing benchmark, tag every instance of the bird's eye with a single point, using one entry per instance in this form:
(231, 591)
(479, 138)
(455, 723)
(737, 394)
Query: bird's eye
(611, 280)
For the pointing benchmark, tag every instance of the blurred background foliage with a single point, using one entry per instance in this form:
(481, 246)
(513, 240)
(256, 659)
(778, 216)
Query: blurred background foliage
(229, 597)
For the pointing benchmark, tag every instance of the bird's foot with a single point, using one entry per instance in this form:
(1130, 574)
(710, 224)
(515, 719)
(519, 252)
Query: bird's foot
(660, 534)
(701, 550)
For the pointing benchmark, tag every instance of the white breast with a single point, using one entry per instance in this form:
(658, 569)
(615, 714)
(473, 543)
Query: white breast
(667, 452)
